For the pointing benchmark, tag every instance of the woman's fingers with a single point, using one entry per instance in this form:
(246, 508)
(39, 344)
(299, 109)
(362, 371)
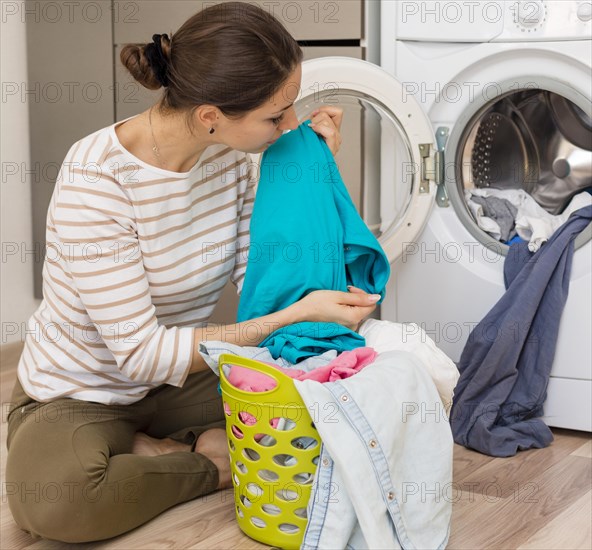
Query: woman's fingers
(360, 298)
(334, 306)
(330, 134)
(328, 112)
(355, 289)
(326, 121)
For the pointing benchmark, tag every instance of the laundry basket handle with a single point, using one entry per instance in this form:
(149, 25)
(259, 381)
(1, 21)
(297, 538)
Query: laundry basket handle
(252, 364)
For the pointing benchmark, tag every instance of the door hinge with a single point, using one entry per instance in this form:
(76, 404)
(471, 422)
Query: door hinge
(428, 167)
(432, 167)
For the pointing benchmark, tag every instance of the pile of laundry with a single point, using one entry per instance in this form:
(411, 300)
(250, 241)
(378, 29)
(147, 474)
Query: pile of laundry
(346, 364)
(510, 215)
(380, 337)
(398, 392)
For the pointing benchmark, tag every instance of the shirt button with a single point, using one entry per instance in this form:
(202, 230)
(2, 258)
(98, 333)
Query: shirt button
(325, 462)
(344, 398)
(372, 443)
(390, 496)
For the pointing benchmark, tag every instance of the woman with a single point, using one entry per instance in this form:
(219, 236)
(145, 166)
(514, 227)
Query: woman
(115, 416)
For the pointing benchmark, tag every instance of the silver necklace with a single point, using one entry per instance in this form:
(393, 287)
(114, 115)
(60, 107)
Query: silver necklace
(155, 149)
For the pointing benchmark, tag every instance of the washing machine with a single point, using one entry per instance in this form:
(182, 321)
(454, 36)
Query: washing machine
(452, 75)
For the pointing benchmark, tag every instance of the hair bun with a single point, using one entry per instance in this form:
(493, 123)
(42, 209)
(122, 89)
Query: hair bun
(148, 63)
(157, 59)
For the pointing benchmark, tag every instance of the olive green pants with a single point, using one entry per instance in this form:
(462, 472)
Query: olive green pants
(70, 474)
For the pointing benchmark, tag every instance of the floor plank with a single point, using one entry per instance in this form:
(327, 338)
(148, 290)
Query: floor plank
(585, 450)
(574, 524)
(491, 520)
(502, 477)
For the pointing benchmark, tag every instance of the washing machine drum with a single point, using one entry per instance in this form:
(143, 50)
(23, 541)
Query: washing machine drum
(537, 141)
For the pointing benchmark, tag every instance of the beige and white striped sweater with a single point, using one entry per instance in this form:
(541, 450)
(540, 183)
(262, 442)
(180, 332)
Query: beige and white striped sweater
(136, 257)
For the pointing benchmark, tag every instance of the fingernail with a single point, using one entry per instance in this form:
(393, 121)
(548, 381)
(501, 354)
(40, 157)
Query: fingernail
(349, 286)
(374, 297)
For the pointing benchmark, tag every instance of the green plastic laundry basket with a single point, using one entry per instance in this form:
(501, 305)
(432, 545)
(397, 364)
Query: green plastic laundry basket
(272, 467)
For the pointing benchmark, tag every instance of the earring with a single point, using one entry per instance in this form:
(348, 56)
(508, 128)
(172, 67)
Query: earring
(212, 130)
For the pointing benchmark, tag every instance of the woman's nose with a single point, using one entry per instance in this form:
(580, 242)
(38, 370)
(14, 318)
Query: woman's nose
(290, 120)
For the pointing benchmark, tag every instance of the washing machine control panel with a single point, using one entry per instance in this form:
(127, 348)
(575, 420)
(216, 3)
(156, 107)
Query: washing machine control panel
(491, 21)
(546, 20)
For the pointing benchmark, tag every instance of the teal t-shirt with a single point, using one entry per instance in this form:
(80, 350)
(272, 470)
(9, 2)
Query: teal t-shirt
(306, 235)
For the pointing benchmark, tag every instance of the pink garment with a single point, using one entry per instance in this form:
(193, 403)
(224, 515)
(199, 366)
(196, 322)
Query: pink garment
(346, 364)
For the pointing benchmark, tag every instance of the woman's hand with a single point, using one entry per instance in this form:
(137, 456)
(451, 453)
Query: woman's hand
(332, 306)
(326, 121)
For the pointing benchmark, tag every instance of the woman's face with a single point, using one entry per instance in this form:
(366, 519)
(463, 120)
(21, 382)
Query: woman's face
(259, 128)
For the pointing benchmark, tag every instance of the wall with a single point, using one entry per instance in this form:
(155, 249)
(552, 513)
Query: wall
(16, 272)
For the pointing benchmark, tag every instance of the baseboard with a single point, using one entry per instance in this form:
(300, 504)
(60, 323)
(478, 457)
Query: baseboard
(569, 404)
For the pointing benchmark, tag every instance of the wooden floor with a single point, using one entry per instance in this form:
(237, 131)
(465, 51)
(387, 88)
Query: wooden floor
(539, 499)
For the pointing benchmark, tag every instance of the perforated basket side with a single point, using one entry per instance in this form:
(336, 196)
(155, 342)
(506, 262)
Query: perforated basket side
(274, 449)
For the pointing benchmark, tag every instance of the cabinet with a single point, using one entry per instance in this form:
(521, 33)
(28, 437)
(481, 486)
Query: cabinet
(304, 19)
(80, 52)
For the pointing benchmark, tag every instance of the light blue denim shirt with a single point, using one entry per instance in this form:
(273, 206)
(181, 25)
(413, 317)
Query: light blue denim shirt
(385, 468)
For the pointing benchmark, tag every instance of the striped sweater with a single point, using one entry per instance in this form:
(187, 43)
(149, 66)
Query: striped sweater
(136, 257)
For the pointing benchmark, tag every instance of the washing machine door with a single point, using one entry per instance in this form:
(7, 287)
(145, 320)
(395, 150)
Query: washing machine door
(388, 156)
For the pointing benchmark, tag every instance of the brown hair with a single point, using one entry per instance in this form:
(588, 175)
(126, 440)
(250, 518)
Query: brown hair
(233, 55)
